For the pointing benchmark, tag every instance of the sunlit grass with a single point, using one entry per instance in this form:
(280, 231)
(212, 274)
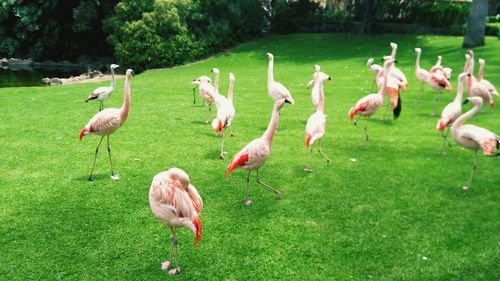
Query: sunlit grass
(376, 218)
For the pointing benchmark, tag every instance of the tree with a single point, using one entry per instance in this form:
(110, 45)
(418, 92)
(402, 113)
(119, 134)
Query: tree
(474, 35)
(369, 11)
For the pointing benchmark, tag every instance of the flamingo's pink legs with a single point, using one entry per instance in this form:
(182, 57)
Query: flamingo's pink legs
(95, 157)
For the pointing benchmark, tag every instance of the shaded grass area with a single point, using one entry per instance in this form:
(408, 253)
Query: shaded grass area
(376, 218)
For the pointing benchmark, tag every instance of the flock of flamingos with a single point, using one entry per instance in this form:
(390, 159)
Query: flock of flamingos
(175, 201)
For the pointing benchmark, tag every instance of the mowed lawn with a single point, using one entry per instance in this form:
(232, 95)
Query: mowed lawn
(397, 213)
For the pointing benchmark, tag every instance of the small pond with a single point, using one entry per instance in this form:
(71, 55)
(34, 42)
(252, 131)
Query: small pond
(28, 76)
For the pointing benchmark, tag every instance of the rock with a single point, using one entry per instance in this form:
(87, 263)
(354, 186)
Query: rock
(55, 81)
(4, 61)
(46, 81)
(20, 61)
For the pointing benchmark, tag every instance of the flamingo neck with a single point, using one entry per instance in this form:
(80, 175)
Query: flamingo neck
(383, 89)
(271, 128)
(321, 101)
(393, 53)
(230, 92)
(460, 91)
(112, 78)
(466, 116)
(480, 72)
(417, 63)
(126, 100)
(216, 84)
(270, 75)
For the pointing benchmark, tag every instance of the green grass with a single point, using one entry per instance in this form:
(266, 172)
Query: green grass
(374, 219)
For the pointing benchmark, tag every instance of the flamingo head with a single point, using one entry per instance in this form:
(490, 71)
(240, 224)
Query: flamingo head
(447, 72)
(113, 66)
(474, 101)
(180, 176)
(370, 62)
(215, 71)
(270, 56)
(418, 50)
(231, 77)
(317, 68)
(201, 80)
(481, 61)
(394, 45)
(129, 73)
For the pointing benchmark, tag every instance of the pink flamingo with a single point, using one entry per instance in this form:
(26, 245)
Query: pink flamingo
(395, 71)
(315, 127)
(436, 80)
(486, 83)
(207, 92)
(446, 71)
(474, 87)
(394, 85)
(369, 104)
(103, 93)
(452, 111)
(276, 90)
(225, 113)
(107, 121)
(175, 201)
(255, 154)
(474, 137)
(317, 75)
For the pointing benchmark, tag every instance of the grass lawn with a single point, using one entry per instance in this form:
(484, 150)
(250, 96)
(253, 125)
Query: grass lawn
(398, 213)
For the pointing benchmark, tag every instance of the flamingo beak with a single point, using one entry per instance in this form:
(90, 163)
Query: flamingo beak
(466, 101)
(287, 101)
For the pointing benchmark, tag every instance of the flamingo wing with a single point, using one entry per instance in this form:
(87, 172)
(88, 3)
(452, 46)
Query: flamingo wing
(483, 137)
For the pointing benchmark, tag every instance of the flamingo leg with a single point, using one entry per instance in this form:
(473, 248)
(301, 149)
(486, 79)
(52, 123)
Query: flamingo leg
(386, 118)
(221, 156)
(328, 161)
(474, 167)
(113, 175)
(445, 140)
(194, 97)
(95, 157)
(309, 170)
(209, 110)
(101, 106)
(436, 101)
(275, 191)
(421, 88)
(231, 130)
(175, 254)
(247, 201)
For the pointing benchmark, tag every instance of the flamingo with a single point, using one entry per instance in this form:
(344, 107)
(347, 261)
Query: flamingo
(275, 89)
(176, 202)
(436, 80)
(207, 92)
(393, 86)
(317, 76)
(103, 93)
(486, 83)
(225, 113)
(370, 103)
(395, 71)
(107, 121)
(474, 87)
(255, 154)
(474, 137)
(452, 111)
(446, 71)
(315, 127)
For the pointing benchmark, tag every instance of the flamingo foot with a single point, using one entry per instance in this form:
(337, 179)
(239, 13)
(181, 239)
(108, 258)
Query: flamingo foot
(91, 179)
(232, 135)
(308, 170)
(221, 157)
(442, 153)
(165, 265)
(466, 187)
(433, 114)
(206, 122)
(175, 271)
(115, 177)
(247, 202)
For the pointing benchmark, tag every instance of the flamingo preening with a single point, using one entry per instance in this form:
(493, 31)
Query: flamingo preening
(177, 203)
(474, 137)
(225, 113)
(107, 121)
(437, 80)
(207, 92)
(474, 87)
(451, 112)
(315, 127)
(369, 104)
(484, 82)
(317, 76)
(103, 93)
(276, 90)
(255, 154)
(446, 71)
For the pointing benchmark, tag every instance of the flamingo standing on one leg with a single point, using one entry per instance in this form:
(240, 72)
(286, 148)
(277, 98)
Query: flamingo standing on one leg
(369, 104)
(436, 80)
(474, 137)
(107, 121)
(175, 201)
(474, 87)
(207, 92)
(103, 93)
(451, 112)
(486, 83)
(315, 127)
(225, 113)
(276, 90)
(255, 154)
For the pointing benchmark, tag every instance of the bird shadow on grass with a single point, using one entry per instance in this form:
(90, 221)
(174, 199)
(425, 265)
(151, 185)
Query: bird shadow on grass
(96, 177)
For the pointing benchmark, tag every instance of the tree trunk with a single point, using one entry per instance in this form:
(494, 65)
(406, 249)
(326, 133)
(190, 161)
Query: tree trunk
(366, 27)
(474, 35)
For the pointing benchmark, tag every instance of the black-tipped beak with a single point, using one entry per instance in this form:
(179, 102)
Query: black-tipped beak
(465, 101)
(395, 61)
(468, 75)
(132, 72)
(287, 101)
(329, 78)
(382, 59)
